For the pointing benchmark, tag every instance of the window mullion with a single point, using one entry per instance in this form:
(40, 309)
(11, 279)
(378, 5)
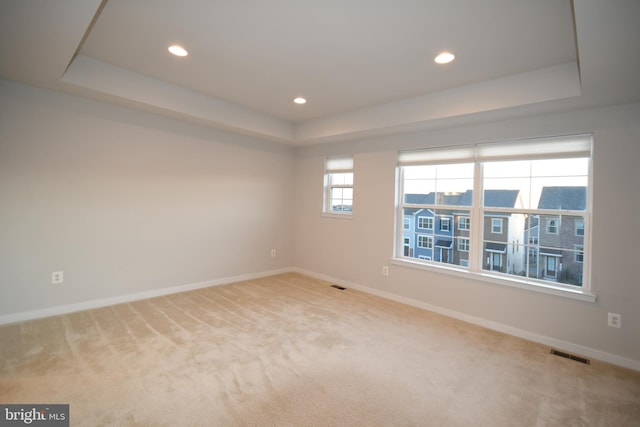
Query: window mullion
(475, 246)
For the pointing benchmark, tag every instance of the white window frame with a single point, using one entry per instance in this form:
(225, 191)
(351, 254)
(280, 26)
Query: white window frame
(463, 244)
(570, 146)
(548, 224)
(428, 220)
(499, 222)
(429, 240)
(445, 220)
(579, 225)
(466, 221)
(336, 165)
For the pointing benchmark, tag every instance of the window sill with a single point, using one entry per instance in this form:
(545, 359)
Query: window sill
(337, 215)
(498, 280)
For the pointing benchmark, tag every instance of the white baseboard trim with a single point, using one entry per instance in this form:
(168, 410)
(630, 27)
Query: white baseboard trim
(104, 302)
(489, 324)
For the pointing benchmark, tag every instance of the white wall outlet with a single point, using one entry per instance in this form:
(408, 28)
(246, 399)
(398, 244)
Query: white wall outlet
(385, 270)
(274, 253)
(57, 277)
(614, 320)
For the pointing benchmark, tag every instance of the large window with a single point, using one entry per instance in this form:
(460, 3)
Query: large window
(338, 185)
(522, 209)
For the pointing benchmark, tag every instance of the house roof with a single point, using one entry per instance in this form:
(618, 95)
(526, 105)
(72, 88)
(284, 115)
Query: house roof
(451, 199)
(492, 198)
(501, 198)
(496, 247)
(444, 243)
(551, 252)
(570, 198)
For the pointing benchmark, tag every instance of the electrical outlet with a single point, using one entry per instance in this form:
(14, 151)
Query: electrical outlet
(274, 253)
(614, 320)
(385, 270)
(57, 277)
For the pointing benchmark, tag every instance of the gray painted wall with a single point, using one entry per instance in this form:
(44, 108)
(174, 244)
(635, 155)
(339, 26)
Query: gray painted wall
(355, 250)
(126, 202)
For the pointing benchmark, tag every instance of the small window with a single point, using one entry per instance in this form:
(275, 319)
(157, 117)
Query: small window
(445, 224)
(579, 253)
(496, 225)
(579, 228)
(425, 242)
(407, 224)
(463, 245)
(552, 225)
(464, 223)
(425, 222)
(338, 186)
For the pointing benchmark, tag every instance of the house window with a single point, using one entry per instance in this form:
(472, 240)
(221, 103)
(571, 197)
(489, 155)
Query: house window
(338, 186)
(425, 242)
(512, 190)
(464, 223)
(407, 224)
(425, 222)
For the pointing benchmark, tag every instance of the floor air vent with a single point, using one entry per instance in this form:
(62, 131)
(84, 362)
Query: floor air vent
(570, 356)
(340, 288)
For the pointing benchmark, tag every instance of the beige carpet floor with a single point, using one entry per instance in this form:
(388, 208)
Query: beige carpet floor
(293, 351)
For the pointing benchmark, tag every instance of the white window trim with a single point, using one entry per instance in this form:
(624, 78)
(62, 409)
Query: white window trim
(493, 278)
(335, 165)
(467, 223)
(429, 239)
(547, 222)
(493, 227)
(576, 145)
(428, 219)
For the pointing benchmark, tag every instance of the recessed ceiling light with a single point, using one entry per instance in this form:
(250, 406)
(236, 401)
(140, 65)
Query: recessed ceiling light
(300, 100)
(178, 50)
(444, 58)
